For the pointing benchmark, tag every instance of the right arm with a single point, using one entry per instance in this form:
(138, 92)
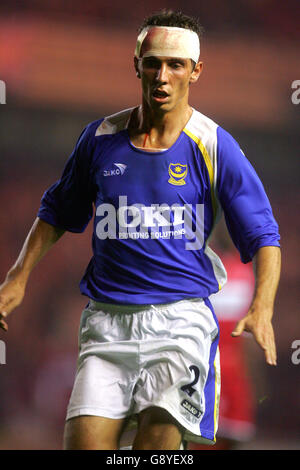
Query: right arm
(40, 239)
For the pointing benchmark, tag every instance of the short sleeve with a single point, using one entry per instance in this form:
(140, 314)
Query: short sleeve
(68, 203)
(247, 210)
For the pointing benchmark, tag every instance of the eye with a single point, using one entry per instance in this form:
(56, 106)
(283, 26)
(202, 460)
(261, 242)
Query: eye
(176, 64)
(151, 63)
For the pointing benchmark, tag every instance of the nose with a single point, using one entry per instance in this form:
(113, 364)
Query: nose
(162, 73)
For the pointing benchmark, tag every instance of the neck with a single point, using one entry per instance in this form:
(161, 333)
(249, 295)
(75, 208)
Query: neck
(161, 122)
(159, 130)
(154, 129)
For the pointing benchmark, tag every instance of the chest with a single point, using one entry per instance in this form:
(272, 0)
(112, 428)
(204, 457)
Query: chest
(176, 176)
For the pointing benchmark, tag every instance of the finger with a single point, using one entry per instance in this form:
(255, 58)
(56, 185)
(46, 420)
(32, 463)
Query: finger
(270, 353)
(270, 357)
(267, 343)
(239, 328)
(3, 323)
(7, 306)
(4, 307)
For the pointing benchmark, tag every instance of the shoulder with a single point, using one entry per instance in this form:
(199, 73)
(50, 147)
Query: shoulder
(226, 142)
(201, 126)
(204, 129)
(219, 144)
(114, 123)
(230, 154)
(104, 126)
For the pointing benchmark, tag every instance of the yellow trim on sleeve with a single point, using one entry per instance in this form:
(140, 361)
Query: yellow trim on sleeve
(208, 164)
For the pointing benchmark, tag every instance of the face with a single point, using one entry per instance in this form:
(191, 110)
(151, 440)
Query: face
(166, 80)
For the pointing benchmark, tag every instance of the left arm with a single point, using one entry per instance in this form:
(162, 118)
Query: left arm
(258, 321)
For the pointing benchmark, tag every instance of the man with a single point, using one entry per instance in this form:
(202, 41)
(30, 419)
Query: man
(158, 175)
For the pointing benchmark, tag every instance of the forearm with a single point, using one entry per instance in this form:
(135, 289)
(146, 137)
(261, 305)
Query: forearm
(258, 321)
(40, 239)
(267, 267)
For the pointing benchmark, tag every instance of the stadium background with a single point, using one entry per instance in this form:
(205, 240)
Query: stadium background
(66, 63)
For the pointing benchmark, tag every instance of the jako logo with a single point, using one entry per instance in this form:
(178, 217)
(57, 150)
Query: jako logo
(121, 167)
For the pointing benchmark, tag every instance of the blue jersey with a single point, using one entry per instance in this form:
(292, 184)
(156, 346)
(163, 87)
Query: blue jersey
(155, 211)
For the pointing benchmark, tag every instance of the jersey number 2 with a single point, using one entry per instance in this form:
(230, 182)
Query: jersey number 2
(188, 388)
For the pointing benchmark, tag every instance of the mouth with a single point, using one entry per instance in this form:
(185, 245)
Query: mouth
(160, 95)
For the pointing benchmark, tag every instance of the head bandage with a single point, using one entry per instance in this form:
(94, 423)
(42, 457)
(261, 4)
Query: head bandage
(168, 41)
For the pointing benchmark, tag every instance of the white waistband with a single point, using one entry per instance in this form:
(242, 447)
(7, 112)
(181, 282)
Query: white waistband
(131, 308)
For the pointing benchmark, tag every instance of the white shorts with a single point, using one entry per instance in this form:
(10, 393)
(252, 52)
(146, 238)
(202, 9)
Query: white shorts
(135, 357)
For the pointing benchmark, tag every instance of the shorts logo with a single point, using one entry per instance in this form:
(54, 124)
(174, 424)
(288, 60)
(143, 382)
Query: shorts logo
(177, 173)
(191, 408)
(121, 167)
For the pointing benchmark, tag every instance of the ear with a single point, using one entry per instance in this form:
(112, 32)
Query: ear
(196, 72)
(136, 66)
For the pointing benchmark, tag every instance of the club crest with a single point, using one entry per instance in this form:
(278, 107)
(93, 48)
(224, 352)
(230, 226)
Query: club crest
(177, 173)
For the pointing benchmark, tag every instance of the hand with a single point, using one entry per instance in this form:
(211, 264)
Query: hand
(262, 330)
(11, 295)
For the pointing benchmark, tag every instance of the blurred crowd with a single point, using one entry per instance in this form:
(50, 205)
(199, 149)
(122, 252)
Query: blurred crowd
(268, 17)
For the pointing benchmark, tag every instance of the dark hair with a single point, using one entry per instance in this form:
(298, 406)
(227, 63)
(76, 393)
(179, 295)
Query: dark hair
(173, 18)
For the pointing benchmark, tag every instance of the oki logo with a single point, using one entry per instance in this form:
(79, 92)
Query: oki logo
(158, 221)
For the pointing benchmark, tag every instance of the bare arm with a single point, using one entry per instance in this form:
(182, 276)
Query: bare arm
(40, 239)
(258, 321)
